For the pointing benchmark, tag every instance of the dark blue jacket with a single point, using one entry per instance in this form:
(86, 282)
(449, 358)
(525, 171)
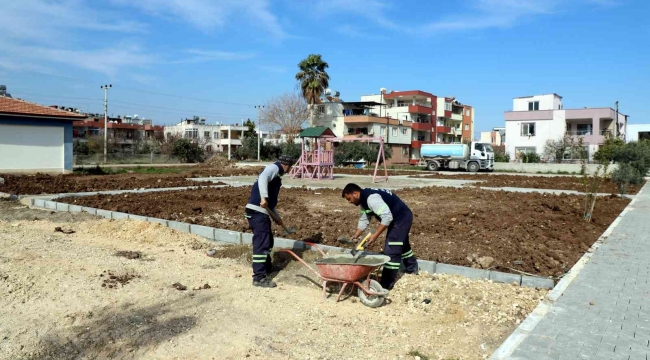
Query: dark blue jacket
(273, 189)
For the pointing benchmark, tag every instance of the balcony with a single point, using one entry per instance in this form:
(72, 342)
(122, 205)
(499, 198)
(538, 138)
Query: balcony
(457, 117)
(588, 137)
(358, 119)
(422, 126)
(443, 129)
(416, 144)
(420, 109)
(234, 142)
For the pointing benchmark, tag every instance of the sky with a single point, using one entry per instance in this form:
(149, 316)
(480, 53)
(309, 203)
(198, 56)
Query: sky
(172, 59)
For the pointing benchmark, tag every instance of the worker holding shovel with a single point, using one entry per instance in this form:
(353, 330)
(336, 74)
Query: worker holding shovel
(259, 211)
(396, 217)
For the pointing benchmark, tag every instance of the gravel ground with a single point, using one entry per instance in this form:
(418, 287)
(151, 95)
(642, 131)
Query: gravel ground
(68, 296)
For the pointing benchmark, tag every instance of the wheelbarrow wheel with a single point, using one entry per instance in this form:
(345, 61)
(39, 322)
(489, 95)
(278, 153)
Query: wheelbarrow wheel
(372, 301)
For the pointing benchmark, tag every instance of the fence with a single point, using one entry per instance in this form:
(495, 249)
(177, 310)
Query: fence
(125, 159)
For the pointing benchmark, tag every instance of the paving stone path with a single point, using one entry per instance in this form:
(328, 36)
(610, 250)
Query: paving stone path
(604, 313)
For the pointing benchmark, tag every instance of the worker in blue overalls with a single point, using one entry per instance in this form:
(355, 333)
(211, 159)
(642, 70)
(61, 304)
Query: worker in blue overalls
(264, 198)
(395, 217)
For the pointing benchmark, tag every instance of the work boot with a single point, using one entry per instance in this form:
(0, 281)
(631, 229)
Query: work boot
(265, 282)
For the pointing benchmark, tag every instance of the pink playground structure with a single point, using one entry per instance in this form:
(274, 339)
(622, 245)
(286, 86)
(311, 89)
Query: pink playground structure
(317, 161)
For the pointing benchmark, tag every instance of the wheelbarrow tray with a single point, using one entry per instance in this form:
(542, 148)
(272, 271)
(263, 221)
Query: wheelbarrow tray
(347, 268)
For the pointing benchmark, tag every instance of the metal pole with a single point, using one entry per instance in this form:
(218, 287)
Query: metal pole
(618, 131)
(106, 87)
(259, 130)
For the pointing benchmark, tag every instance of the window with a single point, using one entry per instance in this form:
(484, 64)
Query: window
(382, 131)
(533, 105)
(206, 134)
(576, 154)
(584, 129)
(405, 150)
(528, 129)
(466, 126)
(169, 134)
(394, 132)
(478, 146)
(447, 106)
(191, 133)
(526, 150)
(403, 131)
(401, 103)
(216, 135)
(467, 112)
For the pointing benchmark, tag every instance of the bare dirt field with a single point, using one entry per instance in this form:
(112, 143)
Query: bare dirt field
(534, 182)
(83, 294)
(540, 234)
(73, 183)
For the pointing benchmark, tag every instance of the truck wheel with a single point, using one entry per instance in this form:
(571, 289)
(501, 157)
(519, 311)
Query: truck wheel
(473, 167)
(432, 165)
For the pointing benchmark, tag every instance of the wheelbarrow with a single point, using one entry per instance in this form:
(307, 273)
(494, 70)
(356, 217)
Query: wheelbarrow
(346, 270)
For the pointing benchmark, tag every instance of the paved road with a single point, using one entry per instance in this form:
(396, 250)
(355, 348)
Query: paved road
(605, 312)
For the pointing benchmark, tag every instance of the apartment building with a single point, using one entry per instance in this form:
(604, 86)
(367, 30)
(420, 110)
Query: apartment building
(536, 119)
(637, 132)
(123, 131)
(351, 120)
(455, 121)
(214, 137)
(494, 137)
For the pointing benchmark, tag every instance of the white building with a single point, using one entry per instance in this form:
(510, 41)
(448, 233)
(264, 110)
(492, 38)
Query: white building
(637, 132)
(214, 137)
(492, 137)
(35, 138)
(358, 119)
(536, 119)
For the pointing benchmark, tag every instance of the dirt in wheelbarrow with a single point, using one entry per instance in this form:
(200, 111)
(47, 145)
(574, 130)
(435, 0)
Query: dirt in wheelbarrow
(540, 234)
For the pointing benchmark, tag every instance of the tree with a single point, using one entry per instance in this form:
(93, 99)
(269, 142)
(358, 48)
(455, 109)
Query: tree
(555, 149)
(500, 154)
(312, 80)
(356, 150)
(286, 113)
(625, 175)
(636, 154)
(606, 151)
(188, 151)
(251, 128)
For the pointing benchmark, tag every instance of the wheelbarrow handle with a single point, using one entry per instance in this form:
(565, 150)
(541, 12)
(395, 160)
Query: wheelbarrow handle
(316, 247)
(301, 261)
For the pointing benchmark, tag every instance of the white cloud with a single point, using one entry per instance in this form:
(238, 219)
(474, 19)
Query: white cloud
(207, 15)
(214, 55)
(373, 10)
(42, 20)
(494, 13)
(107, 60)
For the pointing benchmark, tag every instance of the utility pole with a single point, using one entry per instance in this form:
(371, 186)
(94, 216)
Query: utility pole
(618, 127)
(105, 88)
(259, 130)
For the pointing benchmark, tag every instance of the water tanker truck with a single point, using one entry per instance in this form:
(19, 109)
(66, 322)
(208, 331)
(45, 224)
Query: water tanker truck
(471, 157)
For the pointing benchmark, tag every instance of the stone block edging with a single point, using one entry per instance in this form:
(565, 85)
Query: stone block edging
(234, 237)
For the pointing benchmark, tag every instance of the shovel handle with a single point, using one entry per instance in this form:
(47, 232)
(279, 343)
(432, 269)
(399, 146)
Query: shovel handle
(276, 219)
(359, 246)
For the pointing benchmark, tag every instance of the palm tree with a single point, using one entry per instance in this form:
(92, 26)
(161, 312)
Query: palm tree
(313, 80)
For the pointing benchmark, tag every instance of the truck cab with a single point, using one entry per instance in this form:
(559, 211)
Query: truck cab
(484, 153)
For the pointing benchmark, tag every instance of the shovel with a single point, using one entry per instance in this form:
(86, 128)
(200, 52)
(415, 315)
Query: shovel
(358, 249)
(287, 231)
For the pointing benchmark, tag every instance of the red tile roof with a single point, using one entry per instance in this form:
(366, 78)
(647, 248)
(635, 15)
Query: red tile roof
(13, 106)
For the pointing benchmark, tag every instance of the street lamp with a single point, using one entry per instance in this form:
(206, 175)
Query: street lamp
(105, 88)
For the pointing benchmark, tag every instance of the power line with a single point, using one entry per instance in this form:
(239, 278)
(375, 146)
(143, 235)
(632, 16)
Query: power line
(140, 90)
(140, 105)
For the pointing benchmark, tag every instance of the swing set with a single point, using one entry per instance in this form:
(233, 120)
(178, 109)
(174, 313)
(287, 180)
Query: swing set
(317, 161)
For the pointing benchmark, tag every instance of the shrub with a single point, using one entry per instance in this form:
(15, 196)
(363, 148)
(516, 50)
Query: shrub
(625, 175)
(187, 151)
